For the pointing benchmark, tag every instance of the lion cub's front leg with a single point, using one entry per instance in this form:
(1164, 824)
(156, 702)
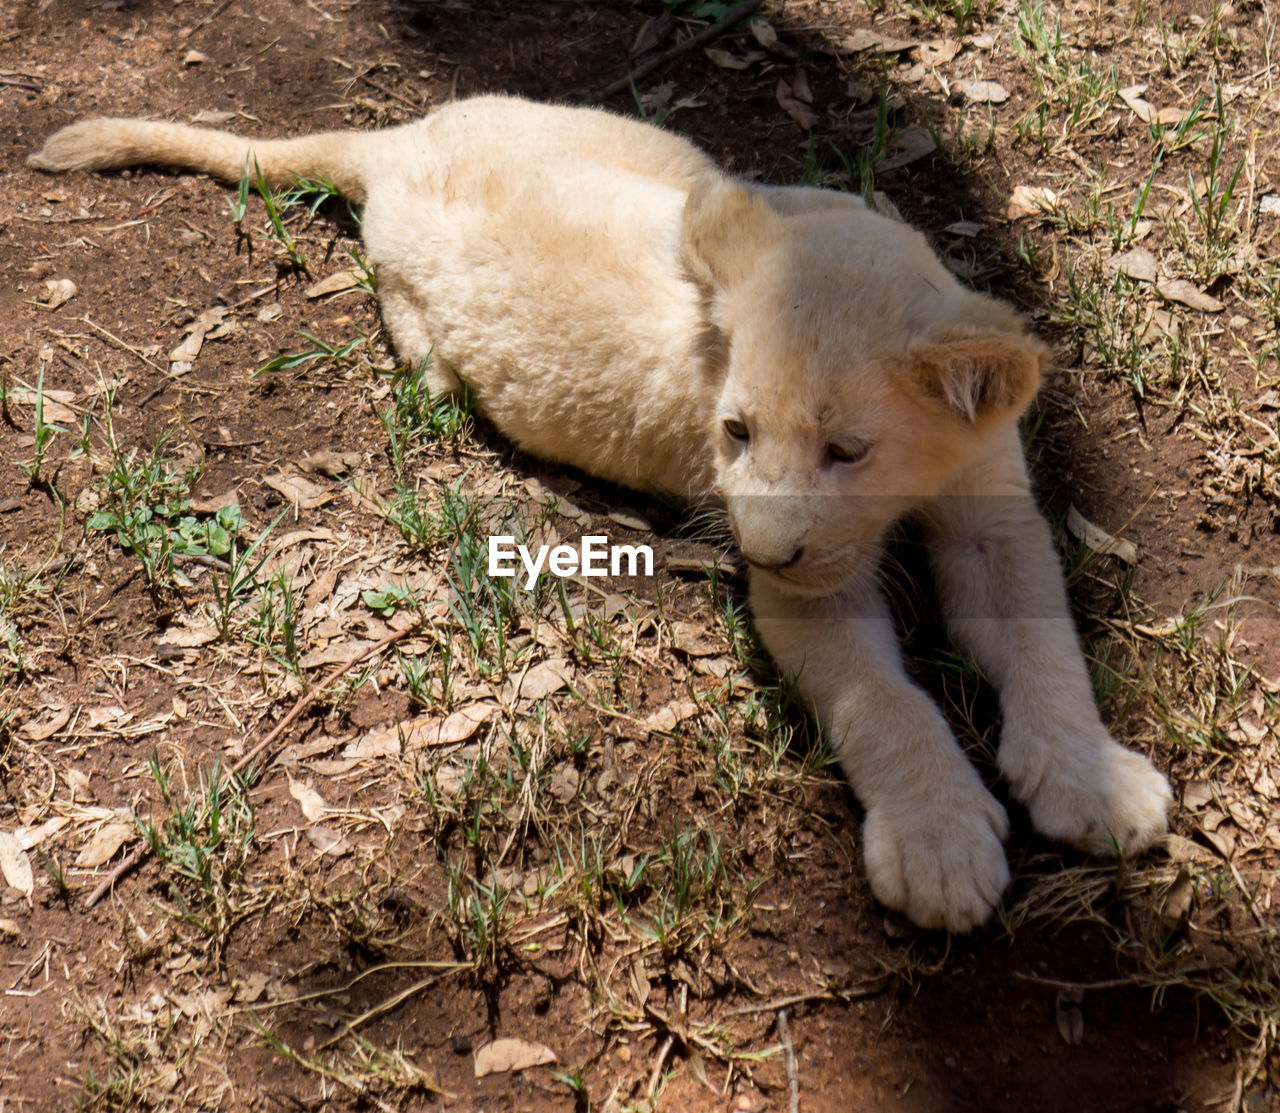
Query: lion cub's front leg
(933, 833)
(1003, 594)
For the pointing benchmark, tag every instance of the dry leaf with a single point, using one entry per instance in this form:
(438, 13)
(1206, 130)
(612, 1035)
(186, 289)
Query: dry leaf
(544, 678)
(983, 92)
(629, 519)
(58, 291)
(505, 1055)
(1098, 539)
(1069, 1016)
(666, 719)
(47, 727)
(866, 39)
(1187, 293)
(213, 116)
(762, 31)
(1270, 203)
(103, 846)
(1137, 262)
(55, 405)
(1030, 201)
(334, 283)
(33, 836)
(311, 802)
(211, 504)
(327, 462)
(1171, 117)
(794, 107)
(907, 147)
(14, 865)
(327, 840)
(203, 326)
(304, 494)
(727, 60)
(652, 31)
(938, 52)
(430, 730)
(194, 58)
(189, 637)
(1143, 109)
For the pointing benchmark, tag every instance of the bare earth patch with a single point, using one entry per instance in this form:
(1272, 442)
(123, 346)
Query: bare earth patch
(577, 848)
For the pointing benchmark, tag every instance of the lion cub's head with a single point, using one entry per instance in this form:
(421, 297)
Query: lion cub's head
(858, 377)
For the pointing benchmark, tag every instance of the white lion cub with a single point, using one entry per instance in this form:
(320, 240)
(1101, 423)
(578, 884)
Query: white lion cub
(616, 303)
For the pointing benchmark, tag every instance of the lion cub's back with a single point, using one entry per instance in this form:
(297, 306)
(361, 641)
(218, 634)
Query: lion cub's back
(537, 252)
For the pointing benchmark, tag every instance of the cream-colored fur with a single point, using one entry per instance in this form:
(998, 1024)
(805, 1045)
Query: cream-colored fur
(614, 302)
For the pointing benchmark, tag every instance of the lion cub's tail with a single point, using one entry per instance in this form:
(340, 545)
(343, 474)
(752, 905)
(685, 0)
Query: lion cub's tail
(109, 143)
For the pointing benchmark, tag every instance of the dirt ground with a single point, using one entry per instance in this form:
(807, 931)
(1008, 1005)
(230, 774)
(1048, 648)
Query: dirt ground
(593, 822)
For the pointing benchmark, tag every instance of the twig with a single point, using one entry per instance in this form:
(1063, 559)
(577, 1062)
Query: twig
(141, 852)
(793, 1078)
(734, 15)
(208, 19)
(392, 1002)
(663, 1052)
(120, 343)
(866, 989)
(1109, 983)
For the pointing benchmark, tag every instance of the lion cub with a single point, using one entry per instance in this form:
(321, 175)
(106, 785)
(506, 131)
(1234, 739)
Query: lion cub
(616, 303)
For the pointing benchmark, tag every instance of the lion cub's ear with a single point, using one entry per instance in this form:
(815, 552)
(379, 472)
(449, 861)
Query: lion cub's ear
(725, 230)
(979, 375)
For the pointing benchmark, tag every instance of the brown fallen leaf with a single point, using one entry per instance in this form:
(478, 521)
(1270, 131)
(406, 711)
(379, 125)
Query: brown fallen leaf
(1026, 200)
(727, 60)
(667, 718)
(938, 52)
(508, 1054)
(907, 147)
(794, 107)
(544, 678)
(983, 92)
(215, 116)
(103, 846)
(1138, 263)
(1098, 539)
(330, 463)
(58, 291)
(1069, 1016)
(304, 494)
(430, 730)
(55, 403)
(334, 283)
(189, 637)
(652, 31)
(206, 325)
(629, 519)
(312, 803)
(866, 39)
(1143, 109)
(47, 727)
(1188, 294)
(211, 504)
(15, 867)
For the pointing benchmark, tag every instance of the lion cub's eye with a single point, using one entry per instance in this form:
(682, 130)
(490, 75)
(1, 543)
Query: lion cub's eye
(846, 453)
(737, 430)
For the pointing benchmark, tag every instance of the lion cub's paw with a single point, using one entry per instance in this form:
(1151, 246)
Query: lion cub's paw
(1105, 800)
(942, 863)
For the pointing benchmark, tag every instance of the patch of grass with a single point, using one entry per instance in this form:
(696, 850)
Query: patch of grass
(144, 502)
(203, 846)
(321, 351)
